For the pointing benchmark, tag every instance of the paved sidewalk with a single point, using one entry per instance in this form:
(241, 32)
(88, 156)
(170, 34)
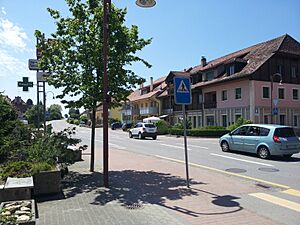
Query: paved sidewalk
(148, 190)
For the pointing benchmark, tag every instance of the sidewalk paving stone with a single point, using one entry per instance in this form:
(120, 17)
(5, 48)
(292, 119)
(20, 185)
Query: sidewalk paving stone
(157, 185)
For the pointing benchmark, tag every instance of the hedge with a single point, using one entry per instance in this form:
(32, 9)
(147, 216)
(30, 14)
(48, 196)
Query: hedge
(200, 132)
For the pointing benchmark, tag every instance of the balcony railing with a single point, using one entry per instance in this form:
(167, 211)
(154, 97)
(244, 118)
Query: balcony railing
(210, 105)
(148, 110)
(167, 111)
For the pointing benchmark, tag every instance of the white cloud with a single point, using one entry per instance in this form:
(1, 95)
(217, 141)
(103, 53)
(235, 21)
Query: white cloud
(12, 66)
(3, 11)
(11, 35)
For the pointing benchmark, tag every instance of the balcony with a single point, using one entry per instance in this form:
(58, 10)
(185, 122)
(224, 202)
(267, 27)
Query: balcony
(167, 111)
(210, 105)
(127, 112)
(148, 110)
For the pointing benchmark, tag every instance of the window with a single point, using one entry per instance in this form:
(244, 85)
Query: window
(224, 95)
(279, 69)
(266, 119)
(281, 93)
(253, 131)
(295, 94)
(241, 131)
(282, 119)
(199, 121)
(295, 121)
(146, 105)
(266, 92)
(210, 75)
(200, 98)
(224, 120)
(210, 120)
(264, 131)
(284, 132)
(231, 69)
(294, 71)
(238, 93)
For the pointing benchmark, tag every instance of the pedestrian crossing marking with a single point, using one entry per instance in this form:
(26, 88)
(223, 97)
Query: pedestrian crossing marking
(277, 201)
(292, 192)
(182, 88)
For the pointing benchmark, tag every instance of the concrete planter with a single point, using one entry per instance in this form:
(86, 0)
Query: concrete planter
(77, 155)
(23, 212)
(47, 182)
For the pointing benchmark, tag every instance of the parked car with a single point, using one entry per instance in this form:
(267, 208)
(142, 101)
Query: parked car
(126, 126)
(142, 130)
(82, 124)
(116, 125)
(263, 139)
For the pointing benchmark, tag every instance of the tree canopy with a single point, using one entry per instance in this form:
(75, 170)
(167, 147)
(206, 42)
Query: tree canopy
(73, 56)
(55, 112)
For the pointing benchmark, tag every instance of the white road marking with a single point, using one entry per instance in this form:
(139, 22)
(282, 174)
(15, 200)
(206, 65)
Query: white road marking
(243, 160)
(174, 146)
(196, 146)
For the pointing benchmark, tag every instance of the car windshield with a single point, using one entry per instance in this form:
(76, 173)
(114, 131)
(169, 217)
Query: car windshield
(284, 132)
(149, 125)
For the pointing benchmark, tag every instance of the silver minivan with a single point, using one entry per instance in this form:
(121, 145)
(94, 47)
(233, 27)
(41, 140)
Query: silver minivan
(263, 139)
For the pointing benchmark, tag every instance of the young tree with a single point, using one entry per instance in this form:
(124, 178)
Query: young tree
(35, 115)
(55, 112)
(74, 56)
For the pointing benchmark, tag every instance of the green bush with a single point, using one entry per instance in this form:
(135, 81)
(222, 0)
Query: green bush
(84, 118)
(76, 121)
(199, 132)
(162, 127)
(180, 125)
(240, 121)
(214, 128)
(16, 169)
(23, 169)
(113, 120)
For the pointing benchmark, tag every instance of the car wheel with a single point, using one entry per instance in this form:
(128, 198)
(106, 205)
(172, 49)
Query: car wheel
(140, 136)
(154, 137)
(225, 146)
(287, 156)
(263, 152)
(130, 135)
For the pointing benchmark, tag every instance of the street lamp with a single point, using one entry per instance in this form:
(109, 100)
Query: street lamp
(280, 82)
(106, 97)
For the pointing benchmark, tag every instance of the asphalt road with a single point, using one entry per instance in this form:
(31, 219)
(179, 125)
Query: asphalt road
(204, 152)
(279, 177)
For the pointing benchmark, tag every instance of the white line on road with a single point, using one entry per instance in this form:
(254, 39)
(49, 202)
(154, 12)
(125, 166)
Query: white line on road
(243, 160)
(196, 146)
(174, 146)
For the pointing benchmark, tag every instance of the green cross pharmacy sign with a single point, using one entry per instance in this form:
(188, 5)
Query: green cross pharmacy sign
(25, 84)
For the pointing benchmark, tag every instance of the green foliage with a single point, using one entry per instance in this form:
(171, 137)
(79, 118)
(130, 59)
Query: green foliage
(49, 148)
(7, 220)
(23, 169)
(240, 121)
(74, 116)
(180, 125)
(162, 127)
(13, 133)
(84, 118)
(76, 121)
(34, 114)
(200, 132)
(55, 112)
(112, 120)
(73, 58)
(16, 169)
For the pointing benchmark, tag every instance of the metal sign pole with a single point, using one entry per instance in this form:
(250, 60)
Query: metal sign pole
(185, 148)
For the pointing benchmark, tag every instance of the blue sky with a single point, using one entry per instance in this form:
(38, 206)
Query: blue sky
(182, 31)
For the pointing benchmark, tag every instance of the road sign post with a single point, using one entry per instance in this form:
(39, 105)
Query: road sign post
(182, 92)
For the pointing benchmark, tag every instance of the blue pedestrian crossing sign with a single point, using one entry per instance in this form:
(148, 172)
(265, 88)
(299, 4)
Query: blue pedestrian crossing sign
(182, 90)
(275, 111)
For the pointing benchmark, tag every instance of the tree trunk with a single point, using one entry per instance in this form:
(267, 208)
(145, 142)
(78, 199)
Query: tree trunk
(93, 140)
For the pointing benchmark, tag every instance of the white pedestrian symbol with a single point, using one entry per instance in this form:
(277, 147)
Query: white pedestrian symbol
(182, 88)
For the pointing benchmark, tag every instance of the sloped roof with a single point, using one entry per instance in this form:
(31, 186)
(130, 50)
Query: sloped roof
(135, 95)
(255, 56)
